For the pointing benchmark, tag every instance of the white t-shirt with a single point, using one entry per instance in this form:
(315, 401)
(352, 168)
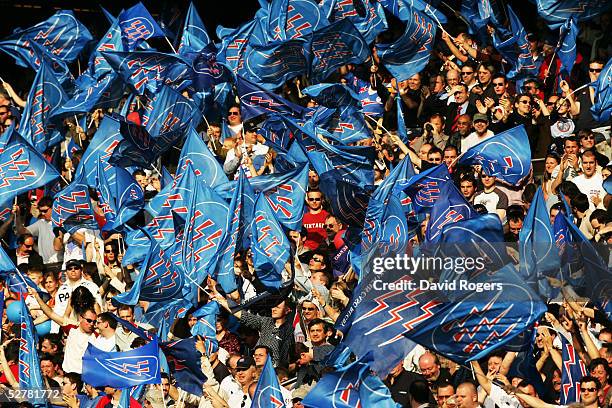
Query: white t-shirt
(473, 139)
(501, 399)
(62, 297)
(43, 231)
(592, 186)
(76, 344)
(104, 343)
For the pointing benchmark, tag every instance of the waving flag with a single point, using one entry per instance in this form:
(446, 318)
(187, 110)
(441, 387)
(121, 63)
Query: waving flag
(162, 315)
(572, 370)
(30, 376)
(338, 44)
(349, 387)
(345, 124)
(122, 369)
(205, 225)
(370, 100)
(121, 197)
(556, 12)
(141, 70)
(366, 15)
(61, 36)
(268, 391)
(72, 206)
(506, 155)
(383, 316)
(22, 169)
(602, 106)
(424, 188)
(206, 71)
(137, 25)
(159, 279)
(184, 360)
(524, 64)
(332, 95)
(45, 98)
(236, 232)
(139, 148)
(291, 19)
(234, 44)
(269, 244)
(100, 149)
(450, 208)
(410, 53)
(169, 110)
(539, 256)
(194, 33)
(567, 51)
(255, 101)
(272, 65)
(92, 93)
(348, 200)
(481, 236)
(480, 322)
(205, 327)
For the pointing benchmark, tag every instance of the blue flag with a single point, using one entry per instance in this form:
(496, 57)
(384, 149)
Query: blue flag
(122, 369)
(121, 197)
(567, 51)
(380, 320)
(338, 44)
(61, 35)
(159, 279)
(370, 100)
(255, 101)
(572, 370)
(272, 65)
(194, 36)
(205, 327)
(539, 256)
(185, 362)
(45, 98)
(205, 225)
(30, 376)
(236, 232)
(100, 149)
(72, 206)
(348, 200)
(234, 43)
(602, 106)
(162, 315)
(138, 25)
(139, 149)
(424, 188)
(22, 168)
(103, 92)
(410, 53)
(523, 64)
(366, 15)
(206, 72)
(291, 19)
(141, 70)
(332, 95)
(506, 155)
(449, 208)
(268, 391)
(556, 12)
(269, 244)
(345, 124)
(349, 387)
(480, 322)
(169, 110)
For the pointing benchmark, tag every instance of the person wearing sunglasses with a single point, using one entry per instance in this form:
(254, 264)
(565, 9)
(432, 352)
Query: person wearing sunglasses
(589, 395)
(25, 252)
(50, 241)
(234, 120)
(314, 219)
(585, 98)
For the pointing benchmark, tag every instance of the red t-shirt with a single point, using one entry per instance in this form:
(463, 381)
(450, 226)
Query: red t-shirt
(315, 225)
(14, 369)
(107, 401)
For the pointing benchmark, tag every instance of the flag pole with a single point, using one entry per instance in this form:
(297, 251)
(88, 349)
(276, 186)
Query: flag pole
(76, 124)
(170, 44)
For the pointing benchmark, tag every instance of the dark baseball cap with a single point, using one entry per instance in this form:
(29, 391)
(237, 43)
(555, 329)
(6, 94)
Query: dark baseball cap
(74, 262)
(245, 363)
